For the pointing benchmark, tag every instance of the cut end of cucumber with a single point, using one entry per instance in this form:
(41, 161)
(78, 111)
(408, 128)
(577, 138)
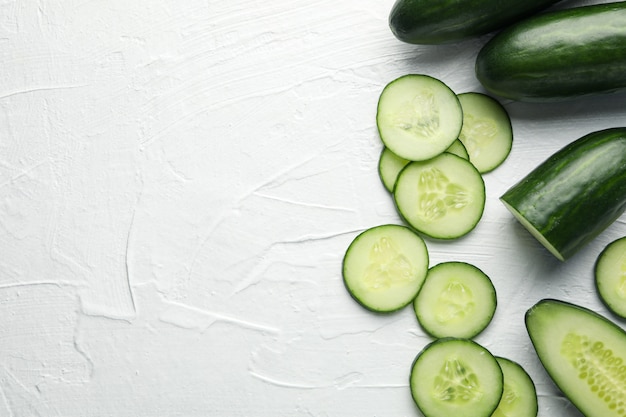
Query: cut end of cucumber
(533, 231)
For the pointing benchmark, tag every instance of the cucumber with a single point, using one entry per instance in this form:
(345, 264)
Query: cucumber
(443, 197)
(575, 194)
(456, 300)
(418, 117)
(445, 21)
(584, 353)
(558, 55)
(456, 377)
(610, 276)
(519, 398)
(384, 267)
(458, 149)
(390, 164)
(487, 133)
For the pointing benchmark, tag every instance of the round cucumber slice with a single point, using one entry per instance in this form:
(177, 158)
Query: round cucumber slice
(389, 166)
(443, 197)
(418, 117)
(487, 132)
(519, 398)
(384, 267)
(456, 377)
(610, 276)
(457, 299)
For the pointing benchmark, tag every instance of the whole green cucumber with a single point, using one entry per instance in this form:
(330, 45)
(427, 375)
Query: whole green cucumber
(558, 55)
(575, 194)
(445, 21)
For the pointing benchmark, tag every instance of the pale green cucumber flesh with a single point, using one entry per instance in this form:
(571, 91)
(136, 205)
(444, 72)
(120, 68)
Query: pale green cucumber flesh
(584, 353)
(390, 164)
(418, 117)
(487, 132)
(457, 299)
(456, 377)
(384, 267)
(443, 197)
(519, 398)
(610, 276)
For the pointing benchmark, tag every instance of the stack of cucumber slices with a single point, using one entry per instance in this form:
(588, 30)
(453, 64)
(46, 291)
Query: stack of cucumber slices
(437, 146)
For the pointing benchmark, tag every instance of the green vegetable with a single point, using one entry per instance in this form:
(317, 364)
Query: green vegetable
(487, 133)
(384, 267)
(558, 55)
(610, 276)
(584, 353)
(456, 300)
(445, 21)
(519, 398)
(575, 194)
(456, 377)
(443, 197)
(418, 117)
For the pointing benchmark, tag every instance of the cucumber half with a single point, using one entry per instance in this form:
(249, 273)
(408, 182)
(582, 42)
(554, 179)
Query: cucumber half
(456, 377)
(418, 117)
(384, 267)
(584, 353)
(456, 300)
(610, 276)
(443, 197)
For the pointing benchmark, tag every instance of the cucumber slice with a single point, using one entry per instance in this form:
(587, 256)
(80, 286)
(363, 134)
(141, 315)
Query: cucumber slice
(519, 398)
(487, 132)
(610, 276)
(584, 353)
(458, 149)
(443, 197)
(418, 117)
(384, 267)
(390, 164)
(456, 377)
(456, 300)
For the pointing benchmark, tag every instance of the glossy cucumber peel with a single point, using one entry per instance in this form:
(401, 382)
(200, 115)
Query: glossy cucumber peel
(584, 353)
(558, 55)
(575, 194)
(445, 21)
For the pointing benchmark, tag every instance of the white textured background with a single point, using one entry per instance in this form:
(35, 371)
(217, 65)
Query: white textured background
(178, 183)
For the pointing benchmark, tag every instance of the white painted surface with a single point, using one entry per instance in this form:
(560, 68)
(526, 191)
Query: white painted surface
(178, 184)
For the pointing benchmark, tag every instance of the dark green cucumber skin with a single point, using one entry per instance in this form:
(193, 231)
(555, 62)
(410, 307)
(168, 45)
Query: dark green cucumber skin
(576, 193)
(558, 55)
(429, 22)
